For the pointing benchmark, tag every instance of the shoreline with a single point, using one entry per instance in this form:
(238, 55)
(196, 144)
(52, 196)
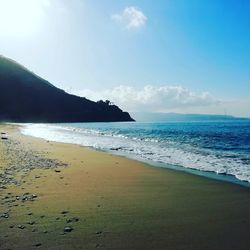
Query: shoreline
(230, 178)
(192, 171)
(112, 202)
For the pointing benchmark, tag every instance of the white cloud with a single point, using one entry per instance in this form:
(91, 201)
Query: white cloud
(150, 98)
(131, 17)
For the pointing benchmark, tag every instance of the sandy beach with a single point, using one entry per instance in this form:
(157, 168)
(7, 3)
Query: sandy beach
(64, 196)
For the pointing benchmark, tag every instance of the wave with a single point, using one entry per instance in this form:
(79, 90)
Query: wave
(148, 146)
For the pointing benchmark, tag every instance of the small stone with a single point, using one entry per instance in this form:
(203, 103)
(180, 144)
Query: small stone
(37, 245)
(99, 232)
(68, 229)
(4, 215)
(45, 231)
(31, 222)
(65, 212)
(57, 170)
(24, 199)
(74, 219)
(21, 226)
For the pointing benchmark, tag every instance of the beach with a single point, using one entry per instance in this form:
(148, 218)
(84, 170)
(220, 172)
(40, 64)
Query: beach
(65, 196)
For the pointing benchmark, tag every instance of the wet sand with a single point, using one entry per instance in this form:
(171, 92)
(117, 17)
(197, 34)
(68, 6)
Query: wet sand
(63, 196)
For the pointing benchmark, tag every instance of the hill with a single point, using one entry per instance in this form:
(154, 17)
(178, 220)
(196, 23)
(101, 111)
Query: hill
(26, 97)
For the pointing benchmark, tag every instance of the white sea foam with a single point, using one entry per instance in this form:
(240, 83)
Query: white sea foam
(142, 149)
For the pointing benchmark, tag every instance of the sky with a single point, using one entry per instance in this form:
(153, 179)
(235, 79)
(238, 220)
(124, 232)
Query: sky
(186, 56)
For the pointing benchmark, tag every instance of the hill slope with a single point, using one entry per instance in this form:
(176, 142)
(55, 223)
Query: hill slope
(25, 97)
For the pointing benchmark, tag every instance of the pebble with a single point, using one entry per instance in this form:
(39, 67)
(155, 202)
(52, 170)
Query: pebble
(27, 197)
(31, 222)
(74, 219)
(22, 161)
(37, 245)
(4, 215)
(65, 212)
(68, 229)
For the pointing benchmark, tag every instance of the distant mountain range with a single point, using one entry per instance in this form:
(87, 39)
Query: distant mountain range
(26, 97)
(165, 117)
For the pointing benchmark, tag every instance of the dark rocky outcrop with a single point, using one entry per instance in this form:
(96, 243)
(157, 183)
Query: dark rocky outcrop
(25, 97)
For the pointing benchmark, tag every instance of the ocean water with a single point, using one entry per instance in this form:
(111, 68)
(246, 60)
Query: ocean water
(219, 149)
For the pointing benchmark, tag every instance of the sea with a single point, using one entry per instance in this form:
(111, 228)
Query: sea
(214, 149)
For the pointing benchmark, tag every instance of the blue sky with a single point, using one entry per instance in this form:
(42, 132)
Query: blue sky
(184, 56)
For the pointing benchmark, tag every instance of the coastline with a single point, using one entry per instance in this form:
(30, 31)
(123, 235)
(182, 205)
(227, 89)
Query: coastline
(119, 203)
(200, 158)
(192, 171)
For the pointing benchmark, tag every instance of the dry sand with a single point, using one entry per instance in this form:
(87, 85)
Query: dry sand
(110, 202)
